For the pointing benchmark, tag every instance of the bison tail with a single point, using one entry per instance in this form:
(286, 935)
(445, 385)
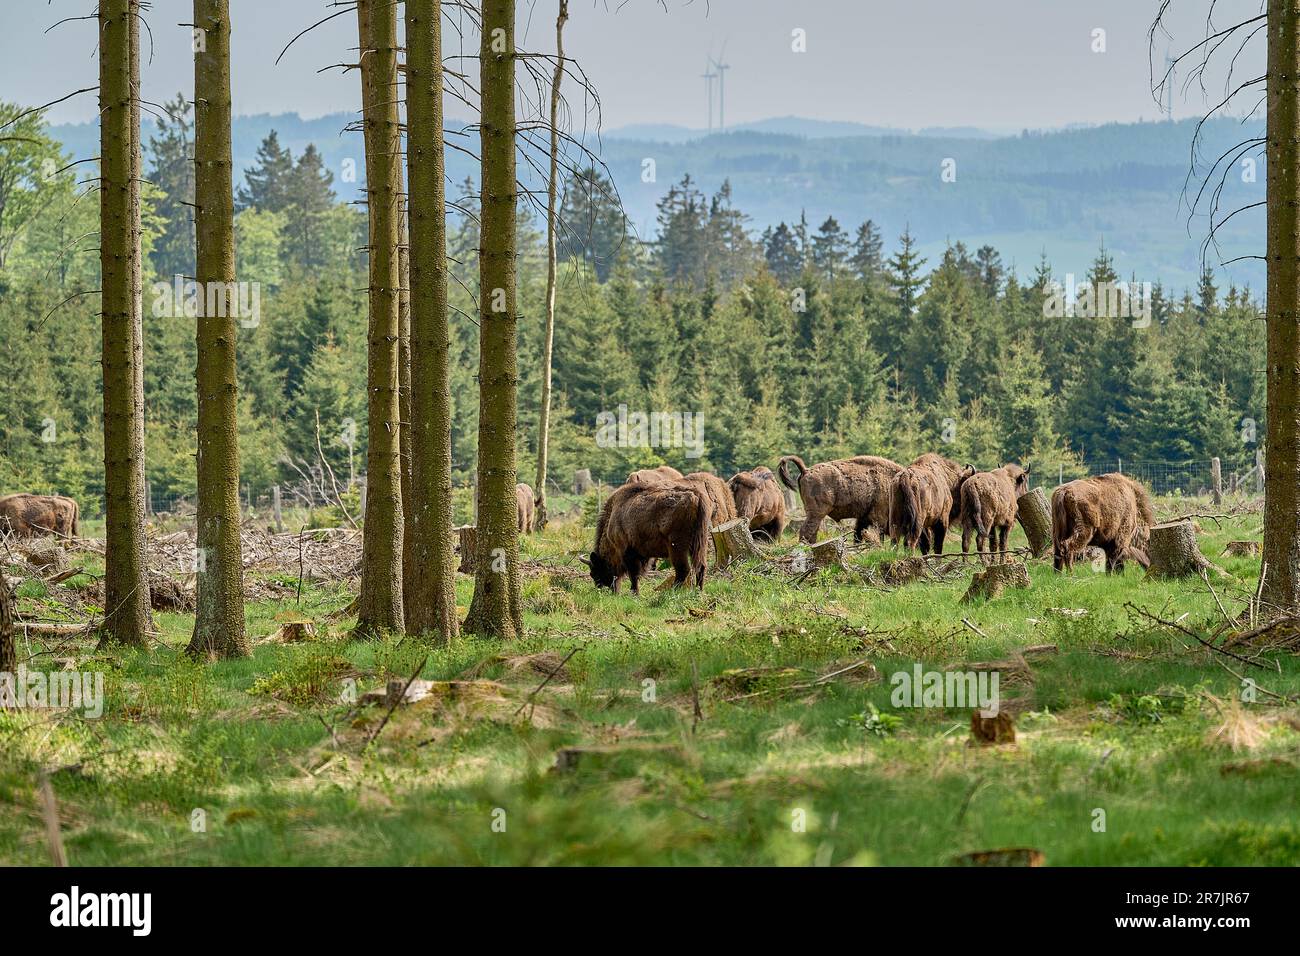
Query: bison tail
(972, 510)
(699, 549)
(76, 519)
(905, 517)
(781, 470)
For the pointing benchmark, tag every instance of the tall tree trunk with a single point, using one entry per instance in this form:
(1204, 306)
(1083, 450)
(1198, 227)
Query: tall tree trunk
(380, 605)
(1282, 462)
(495, 609)
(431, 573)
(404, 404)
(8, 650)
(126, 590)
(219, 618)
(552, 188)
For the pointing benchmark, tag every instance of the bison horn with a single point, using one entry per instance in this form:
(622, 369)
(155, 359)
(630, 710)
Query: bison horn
(586, 561)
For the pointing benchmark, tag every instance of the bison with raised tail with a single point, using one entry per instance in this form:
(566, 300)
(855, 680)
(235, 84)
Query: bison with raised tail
(855, 488)
(924, 499)
(641, 522)
(988, 508)
(760, 500)
(1112, 512)
(26, 515)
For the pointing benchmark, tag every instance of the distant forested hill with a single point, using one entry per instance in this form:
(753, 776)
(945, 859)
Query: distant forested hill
(1061, 193)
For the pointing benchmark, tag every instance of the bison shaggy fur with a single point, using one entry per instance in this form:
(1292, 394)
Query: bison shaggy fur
(1112, 512)
(641, 522)
(855, 488)
(925, 497)
(721, 504)
(988, 507)
(661, 474)
(29, 515)
(760, 500)
(526, 506)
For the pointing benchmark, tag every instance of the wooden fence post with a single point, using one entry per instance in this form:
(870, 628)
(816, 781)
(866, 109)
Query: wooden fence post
(1216, 480)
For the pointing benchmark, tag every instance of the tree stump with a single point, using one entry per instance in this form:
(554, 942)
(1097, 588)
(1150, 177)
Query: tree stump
(582, 481)
(995, 579)
(45, 556)
(1035, 517)
(1242, 549)
(903, 571)
(733, 541)
(827, 554)
(1173, 551)
(466, 544)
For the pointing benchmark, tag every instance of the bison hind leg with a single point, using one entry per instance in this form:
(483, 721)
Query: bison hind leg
(634, 565)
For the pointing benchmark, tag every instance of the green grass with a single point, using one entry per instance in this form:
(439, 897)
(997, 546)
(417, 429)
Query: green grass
(1124, 720)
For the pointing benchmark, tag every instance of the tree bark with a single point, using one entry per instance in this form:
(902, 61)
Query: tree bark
(126, 590)
(495, 609)
(219, 611)
(8, 651)
(1035, 517)
(1282, 464)
(548, 346)
(379, 607)
(431, 577)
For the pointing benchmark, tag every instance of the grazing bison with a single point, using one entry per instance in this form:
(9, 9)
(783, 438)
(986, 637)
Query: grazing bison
(924, 499)
(661, 474)
(1112, 512)
(526, 506)
(855, 488)
(641, 522)
(28, 515)
(988, 507)
(760, 500)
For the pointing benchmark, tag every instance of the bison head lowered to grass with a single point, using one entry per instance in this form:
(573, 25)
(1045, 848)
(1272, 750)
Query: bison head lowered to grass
(855, 488)
(760, 500)
(924, 499)
(988, 507)
(644, 521)
(1112, 512)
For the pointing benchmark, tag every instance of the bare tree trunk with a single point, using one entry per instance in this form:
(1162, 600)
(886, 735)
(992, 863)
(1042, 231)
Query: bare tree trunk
(552, 188)
(404, 404)
(495, 609)
(1282, 484)
(219, 613)
(8, 652)
(379, 606)
(126, 590)
(431, 574)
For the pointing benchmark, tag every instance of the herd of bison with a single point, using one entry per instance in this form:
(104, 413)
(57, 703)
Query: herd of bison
(660, 513)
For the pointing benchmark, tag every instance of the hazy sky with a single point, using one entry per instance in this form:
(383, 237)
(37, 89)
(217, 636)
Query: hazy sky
(1003, 64)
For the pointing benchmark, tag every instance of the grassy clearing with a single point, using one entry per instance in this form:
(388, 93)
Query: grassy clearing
(1126, 719)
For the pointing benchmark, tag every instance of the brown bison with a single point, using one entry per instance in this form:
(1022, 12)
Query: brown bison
(27, 515)
(1112, 512)
(855, 488)
(526, 507)
(641, 522)
(721, 504)
(924, 499)
(760, 500)
(661, 474)
(988, 507)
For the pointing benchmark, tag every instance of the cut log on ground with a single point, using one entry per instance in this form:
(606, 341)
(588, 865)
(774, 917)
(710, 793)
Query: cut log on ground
(1242, 549)
(1035, 517)
(1012, 856)
(1174, 553)
(995, 579)
(733, 541)
(466, 544)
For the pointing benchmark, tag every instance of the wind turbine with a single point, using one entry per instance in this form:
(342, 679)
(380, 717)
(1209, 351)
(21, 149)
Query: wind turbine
(709, 76)
(722, 68)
